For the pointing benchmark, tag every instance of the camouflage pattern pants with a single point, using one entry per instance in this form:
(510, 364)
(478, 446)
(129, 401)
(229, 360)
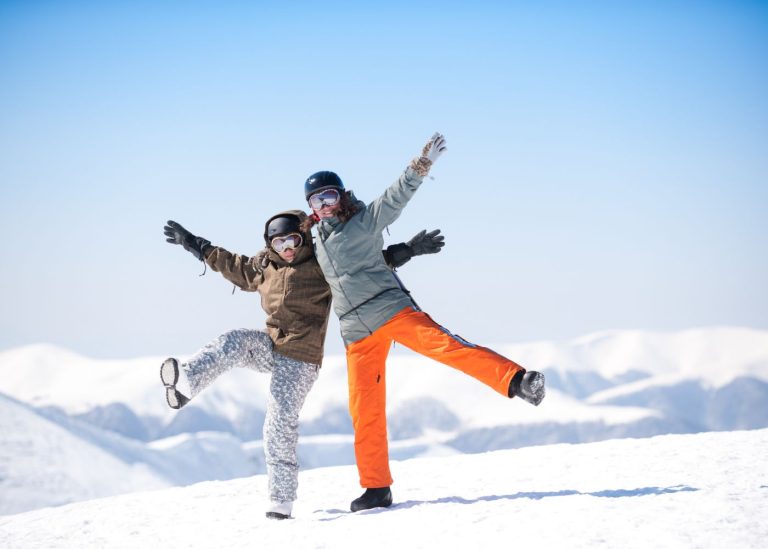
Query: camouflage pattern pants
(291, 381)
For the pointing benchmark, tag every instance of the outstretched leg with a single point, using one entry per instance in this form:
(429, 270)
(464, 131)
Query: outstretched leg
(245, 348)
(417, 331)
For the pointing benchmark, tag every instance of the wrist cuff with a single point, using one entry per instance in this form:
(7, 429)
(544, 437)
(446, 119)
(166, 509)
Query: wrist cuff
(421, 165)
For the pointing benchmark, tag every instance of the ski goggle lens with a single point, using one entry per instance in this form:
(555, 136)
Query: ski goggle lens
(281, 243)
(328, 197)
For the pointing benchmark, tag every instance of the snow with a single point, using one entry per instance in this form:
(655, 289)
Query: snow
(673, 491)
(43, 374)
(45, 463)
(612, 384)
(41, 461)
(717, 354)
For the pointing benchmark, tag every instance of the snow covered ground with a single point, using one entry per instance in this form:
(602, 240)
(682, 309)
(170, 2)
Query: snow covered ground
(672, 491)
(74, 428)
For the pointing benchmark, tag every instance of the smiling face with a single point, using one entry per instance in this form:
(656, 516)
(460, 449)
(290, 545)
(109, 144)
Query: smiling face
(327, 211)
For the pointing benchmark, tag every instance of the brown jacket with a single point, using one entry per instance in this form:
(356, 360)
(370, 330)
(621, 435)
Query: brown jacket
(295, 295)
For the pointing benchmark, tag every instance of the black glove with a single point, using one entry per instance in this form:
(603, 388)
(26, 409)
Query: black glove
(398, 255)
(176, 234)
(427, 242)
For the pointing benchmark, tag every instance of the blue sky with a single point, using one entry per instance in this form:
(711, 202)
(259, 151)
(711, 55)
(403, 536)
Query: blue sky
(607, 163)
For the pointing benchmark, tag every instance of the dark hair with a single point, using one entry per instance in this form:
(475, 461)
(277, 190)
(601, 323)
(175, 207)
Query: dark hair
(346, 210)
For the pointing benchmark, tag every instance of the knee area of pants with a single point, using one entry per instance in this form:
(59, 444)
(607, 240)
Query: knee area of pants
(286, 419)
(237, 333)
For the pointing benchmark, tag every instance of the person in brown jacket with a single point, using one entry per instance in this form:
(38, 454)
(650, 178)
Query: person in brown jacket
(297, 300)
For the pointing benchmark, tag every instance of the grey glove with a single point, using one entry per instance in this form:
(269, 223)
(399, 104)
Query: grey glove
(434, 147)
(427, 242)
(176, 234)
(429, 154)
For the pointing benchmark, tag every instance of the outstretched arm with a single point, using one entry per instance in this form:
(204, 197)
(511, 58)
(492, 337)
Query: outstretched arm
(243, 271)
(388, 207)
(424, 242)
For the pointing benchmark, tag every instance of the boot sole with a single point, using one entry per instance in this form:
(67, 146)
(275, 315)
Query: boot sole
(169, 372)
(277, 516)
(169, 375)
(174, 398)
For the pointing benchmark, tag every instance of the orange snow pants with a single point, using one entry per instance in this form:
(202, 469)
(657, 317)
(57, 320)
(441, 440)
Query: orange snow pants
(366, 371)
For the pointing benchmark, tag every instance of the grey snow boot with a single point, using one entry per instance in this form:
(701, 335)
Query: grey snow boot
(169, 375)
(371, 498)
(529, 386)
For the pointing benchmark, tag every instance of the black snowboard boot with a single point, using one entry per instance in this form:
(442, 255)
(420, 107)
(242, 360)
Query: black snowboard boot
(373, 497)
(169, 375)
(529, 386)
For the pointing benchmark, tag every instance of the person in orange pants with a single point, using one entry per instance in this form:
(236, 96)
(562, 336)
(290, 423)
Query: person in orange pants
(366, 370)
(374, 309)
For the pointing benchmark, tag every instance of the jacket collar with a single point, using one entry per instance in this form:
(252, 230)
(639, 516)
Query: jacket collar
(329, 224)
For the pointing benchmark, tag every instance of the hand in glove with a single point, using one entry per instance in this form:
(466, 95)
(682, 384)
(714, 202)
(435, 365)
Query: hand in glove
(427, 242)
(424, 242)
(176, 234)
(434, 147)
(429, 154)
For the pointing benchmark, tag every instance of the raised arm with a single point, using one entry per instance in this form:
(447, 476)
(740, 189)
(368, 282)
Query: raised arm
(388, 207)
(243, 271)
(424, 242)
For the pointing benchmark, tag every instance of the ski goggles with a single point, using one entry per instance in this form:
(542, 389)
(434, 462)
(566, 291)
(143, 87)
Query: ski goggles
(328, 197)
(288, 241)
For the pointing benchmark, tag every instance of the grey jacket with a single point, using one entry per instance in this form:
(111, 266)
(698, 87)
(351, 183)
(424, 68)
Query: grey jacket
(366, 293)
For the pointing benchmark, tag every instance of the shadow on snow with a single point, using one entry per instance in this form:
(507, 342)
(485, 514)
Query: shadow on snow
(636, 492)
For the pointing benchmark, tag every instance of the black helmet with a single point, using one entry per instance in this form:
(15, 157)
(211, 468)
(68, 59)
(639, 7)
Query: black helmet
(283, 224)
(320, 181)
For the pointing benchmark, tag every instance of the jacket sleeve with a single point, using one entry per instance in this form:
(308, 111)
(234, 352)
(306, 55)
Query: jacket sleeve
(388, 207)
(244, 272)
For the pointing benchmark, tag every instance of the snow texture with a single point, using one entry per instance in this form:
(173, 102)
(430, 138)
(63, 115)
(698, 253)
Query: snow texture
(707, 490)
(74, 428)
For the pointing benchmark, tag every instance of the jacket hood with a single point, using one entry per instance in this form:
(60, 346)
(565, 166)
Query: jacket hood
(305, 251)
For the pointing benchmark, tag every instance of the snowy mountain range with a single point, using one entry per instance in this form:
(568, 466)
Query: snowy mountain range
(71, 425)
(707, 490)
